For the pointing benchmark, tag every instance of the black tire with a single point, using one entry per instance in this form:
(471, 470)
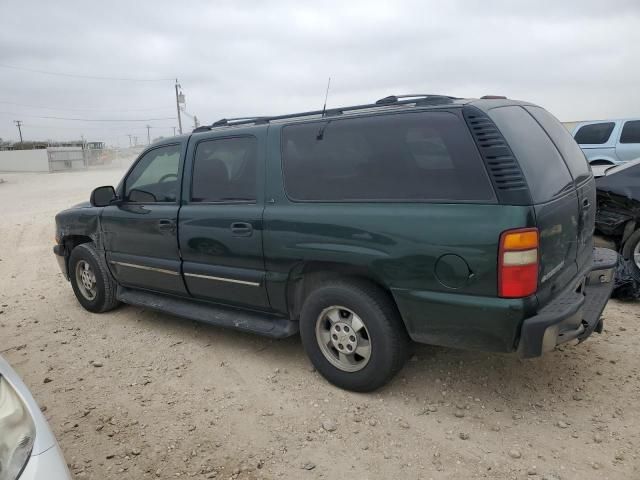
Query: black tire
(628, 248)
(105, 285)
(389, 341)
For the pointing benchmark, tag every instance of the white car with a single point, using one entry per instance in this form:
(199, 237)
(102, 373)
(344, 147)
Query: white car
(28, 449)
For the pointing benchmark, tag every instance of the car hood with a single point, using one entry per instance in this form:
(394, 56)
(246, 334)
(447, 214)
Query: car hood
(44, 437)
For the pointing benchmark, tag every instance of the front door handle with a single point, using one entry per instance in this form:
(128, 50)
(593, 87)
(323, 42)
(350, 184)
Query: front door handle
(241, 229)
(166, 225)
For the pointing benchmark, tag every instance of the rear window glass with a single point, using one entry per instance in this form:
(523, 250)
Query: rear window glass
(569, 149)
(594, 134)
(631, 132)
(545, 171)
(413, 156)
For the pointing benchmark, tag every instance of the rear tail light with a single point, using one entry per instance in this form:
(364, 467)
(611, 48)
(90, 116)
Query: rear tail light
(518, 263)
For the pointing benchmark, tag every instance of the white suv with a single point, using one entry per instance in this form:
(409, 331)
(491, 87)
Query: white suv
(609, 142)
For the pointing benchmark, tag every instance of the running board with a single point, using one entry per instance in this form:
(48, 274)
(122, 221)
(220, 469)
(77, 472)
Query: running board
(248, 321)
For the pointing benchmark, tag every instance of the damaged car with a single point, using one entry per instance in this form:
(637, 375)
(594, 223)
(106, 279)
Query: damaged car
(618, 223)
(618, 209)
(463, 223)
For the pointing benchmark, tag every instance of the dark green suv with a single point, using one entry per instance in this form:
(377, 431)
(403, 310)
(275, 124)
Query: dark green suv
(455, 222)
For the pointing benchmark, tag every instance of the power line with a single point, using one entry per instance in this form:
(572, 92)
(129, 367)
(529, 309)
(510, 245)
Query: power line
(121, 120)
(89, 77)
(86, 109)
(101, 128)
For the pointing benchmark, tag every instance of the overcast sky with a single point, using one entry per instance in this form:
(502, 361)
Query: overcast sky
(580, 60)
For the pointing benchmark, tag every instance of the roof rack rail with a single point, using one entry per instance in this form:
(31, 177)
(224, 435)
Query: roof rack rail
(233, 121)
(420, 97)
(392, 100)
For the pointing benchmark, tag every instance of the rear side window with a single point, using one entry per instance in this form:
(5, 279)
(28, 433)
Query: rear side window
(224, 170)
(631, 132)
(546, 173)
(413, 156)
(594, 134)
(569, 149)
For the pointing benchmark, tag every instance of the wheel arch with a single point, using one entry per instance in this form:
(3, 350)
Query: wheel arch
(70, 242)
(307, 276)
(602, 161)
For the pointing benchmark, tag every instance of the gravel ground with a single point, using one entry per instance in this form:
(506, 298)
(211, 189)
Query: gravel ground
(135, 394)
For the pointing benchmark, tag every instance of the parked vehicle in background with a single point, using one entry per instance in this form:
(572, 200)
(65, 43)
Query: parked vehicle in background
(455, 222)
(28, 449)
(618, 212)
(609, 142)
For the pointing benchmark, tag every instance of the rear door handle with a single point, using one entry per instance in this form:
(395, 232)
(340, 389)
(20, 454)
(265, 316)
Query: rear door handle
(241, 229)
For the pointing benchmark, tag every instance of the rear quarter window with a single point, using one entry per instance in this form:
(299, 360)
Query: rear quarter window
(564, 142)
(594, 134)
(423, 156)
(546, 173)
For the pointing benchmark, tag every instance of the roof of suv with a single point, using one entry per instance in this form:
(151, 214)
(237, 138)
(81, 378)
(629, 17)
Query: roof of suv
(392, 103)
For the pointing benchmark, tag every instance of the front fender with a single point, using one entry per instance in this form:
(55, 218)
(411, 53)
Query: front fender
(74, 226)
(79, 222)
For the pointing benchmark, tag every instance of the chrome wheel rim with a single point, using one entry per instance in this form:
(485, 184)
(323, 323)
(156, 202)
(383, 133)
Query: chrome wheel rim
(636, 255)
(343, 338)
(86, 280)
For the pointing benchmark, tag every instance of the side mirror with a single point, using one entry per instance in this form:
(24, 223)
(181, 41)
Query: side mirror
(102, 196)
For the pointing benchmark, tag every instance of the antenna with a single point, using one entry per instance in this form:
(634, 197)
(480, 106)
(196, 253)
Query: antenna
(326, 95)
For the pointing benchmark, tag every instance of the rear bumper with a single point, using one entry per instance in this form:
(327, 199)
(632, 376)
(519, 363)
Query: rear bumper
(573, 315)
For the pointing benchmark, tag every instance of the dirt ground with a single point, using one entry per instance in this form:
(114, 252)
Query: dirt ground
(135, 394)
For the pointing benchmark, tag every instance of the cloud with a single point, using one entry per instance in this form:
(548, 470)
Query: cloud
(578, 59)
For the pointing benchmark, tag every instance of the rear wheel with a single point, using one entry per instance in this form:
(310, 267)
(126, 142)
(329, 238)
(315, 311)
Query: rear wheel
(631, 250)
(92, 282)
(353, 335)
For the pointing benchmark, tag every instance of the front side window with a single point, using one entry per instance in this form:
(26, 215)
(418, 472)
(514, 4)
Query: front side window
(224, 170)
(594, 134)
(155, 176)
(631, 132)
(398, 157)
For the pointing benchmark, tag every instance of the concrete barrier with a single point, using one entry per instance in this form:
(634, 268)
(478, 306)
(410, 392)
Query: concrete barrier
(24, 161)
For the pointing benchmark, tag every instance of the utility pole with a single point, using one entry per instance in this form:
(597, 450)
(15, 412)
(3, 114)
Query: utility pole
(129, 135)
(19, 124)
(174, 131)
(178, 106)
(148, 135)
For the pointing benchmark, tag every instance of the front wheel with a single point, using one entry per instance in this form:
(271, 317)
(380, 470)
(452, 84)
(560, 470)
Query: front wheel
(353, 335)
(92, 282)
